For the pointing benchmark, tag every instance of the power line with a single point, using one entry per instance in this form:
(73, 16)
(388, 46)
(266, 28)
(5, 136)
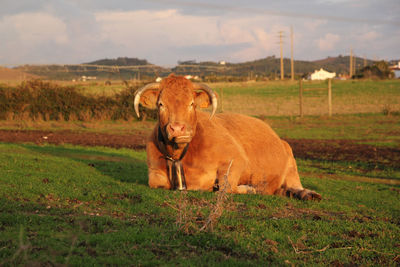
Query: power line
(291, 55)
(351, 63)
(281, 48)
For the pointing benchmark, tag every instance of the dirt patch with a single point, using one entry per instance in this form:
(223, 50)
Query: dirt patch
(133, 141)
(354, 178)
(345, 150)
(335, 150)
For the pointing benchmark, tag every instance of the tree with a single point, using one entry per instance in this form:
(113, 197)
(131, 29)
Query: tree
(379, 70)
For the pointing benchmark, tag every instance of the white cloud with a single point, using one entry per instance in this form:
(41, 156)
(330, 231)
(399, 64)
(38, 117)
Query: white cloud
(232, 31)
(328, 42)
(313, 25)
(333, 1)
(62, 32)
(154, 31)
(35, 28)
(369, 36)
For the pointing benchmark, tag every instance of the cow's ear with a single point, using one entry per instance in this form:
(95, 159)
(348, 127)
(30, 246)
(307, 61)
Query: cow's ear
(149, 98)
(201, 99)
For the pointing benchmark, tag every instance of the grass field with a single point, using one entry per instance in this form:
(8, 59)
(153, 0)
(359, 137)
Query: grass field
(95, 101)
(282, 98)
(91, 206)
(84, 206)
(372, 128)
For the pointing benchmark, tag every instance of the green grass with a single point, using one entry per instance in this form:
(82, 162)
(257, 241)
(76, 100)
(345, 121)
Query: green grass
(350, 169)
(376, 129)
(290, 89)
(92, 206)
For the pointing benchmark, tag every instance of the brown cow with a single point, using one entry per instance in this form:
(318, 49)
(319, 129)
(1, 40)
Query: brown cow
(191, 149)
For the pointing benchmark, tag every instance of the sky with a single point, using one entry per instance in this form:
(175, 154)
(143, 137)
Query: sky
(167, 31)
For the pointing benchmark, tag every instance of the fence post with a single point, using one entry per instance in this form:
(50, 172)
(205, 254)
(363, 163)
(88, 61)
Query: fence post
(301, 97)
(221, 97)
(330, 97)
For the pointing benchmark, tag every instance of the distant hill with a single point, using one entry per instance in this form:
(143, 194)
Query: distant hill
(121, 61)
(261, 67)
(124, 68)
(341, 64)
(269, 66)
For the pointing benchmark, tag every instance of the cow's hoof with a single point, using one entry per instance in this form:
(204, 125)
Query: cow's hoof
(246, 189)
(302, 194)
(309, 195)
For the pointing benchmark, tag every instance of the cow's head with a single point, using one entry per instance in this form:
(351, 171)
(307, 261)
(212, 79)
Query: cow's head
(176, 100)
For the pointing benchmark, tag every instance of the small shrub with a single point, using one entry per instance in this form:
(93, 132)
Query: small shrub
(49, 101)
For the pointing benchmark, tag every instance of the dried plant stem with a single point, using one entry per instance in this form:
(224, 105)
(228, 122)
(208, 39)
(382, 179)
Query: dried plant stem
(218, 207)
(190, 217)
(23, 248)
(309, 251)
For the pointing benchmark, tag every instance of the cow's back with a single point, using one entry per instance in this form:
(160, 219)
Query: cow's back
(266, 153)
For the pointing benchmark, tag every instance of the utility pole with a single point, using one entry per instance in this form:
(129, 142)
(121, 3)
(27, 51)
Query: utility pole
(291, 54)
(281, 45)
(365, 61)
(351, 63)
(354, 64)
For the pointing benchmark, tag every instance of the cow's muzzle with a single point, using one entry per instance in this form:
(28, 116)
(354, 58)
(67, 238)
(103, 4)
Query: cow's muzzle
(178, 133)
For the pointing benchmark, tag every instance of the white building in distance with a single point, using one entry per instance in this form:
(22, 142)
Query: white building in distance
(322, 75)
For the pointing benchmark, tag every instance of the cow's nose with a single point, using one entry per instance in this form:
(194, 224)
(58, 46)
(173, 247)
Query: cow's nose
(176, 129)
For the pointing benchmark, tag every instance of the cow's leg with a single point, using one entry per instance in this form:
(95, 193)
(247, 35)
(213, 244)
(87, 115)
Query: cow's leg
(292, 186)
(291, 177)
(229, 176)
(156, 167)
(158, 179)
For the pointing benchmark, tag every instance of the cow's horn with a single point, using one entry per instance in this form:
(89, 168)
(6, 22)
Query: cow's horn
(211, 94)
(140, 92)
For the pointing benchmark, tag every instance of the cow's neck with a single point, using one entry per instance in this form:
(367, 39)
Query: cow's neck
(176, 151)
(173, 154)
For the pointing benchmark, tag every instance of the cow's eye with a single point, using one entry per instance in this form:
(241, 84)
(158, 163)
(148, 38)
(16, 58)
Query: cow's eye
(160, 105)
(192, 104)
